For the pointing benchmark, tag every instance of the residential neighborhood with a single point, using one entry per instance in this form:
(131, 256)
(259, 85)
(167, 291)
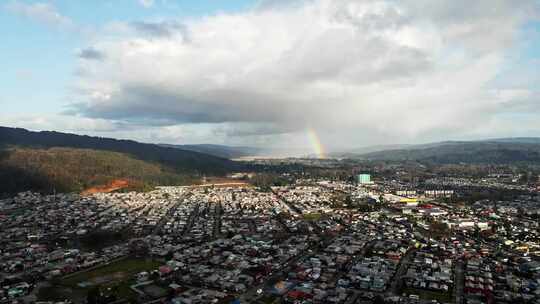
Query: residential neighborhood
(301, 243)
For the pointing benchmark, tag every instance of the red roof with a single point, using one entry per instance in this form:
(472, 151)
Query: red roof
(297, 294)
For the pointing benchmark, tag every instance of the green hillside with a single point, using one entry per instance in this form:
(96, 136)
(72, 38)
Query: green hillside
(69, 169)
(68, 162)
(178, 159)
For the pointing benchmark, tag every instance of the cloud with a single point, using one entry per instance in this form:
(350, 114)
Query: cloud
(42, 12)
(173, 134)
(66, 123)
(354, 70)
(91, 54)
(159, 29)
(146, 3)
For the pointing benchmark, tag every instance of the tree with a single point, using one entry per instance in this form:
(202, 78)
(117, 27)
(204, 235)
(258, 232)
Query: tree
(138, 248)
(94, 295)
(154, 276)
(378, 300)
(533, 178)
(348, 200)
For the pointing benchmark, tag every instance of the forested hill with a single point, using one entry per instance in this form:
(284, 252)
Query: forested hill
(186, 161)
(47, 161)
(76, 170)
(497, 151)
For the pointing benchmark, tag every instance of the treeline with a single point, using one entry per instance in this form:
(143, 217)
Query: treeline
(69, 170)
(267, 180)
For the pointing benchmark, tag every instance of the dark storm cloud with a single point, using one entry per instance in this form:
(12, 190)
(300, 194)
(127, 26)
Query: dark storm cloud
(151, 106)
(156, 106)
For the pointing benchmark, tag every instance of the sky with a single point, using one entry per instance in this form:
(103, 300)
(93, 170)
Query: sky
(337, 74)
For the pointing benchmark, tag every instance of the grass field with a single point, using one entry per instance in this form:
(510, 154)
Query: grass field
(312, 216)
(117, 276)
(129, 266)
(442, 297)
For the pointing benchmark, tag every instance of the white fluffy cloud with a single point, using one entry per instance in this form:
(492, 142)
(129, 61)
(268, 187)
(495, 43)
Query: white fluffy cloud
(41, 12)
(68, 123)
(356, 71)
(173, 134)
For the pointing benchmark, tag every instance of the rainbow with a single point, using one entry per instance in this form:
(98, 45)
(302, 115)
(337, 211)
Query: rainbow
(315, 142)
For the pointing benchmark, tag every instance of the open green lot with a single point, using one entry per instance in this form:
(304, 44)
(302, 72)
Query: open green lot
(126, 267)
(114, 278)
(312, 216)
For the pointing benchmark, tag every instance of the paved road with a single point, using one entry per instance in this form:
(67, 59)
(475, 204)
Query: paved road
(459, 281)
(218, 211)
(191, 220)
(280, 220)
(313, 225)
(164, 219)
(395, 286)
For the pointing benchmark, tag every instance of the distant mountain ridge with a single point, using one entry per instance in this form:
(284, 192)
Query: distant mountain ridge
(230, 152)
(496, 151)
(521, 140)
(236, 152)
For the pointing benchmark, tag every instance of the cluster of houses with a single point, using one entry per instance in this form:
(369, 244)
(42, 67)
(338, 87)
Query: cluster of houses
(307, 199)
(502, 279)
(497, 183)
(316, 278)
(43, 236)
(234, 264)
(431, 269)
(515, 224)
(479, 281)
(372, 273)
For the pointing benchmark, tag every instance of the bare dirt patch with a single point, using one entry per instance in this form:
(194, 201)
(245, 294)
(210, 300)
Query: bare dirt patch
(114, 185)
